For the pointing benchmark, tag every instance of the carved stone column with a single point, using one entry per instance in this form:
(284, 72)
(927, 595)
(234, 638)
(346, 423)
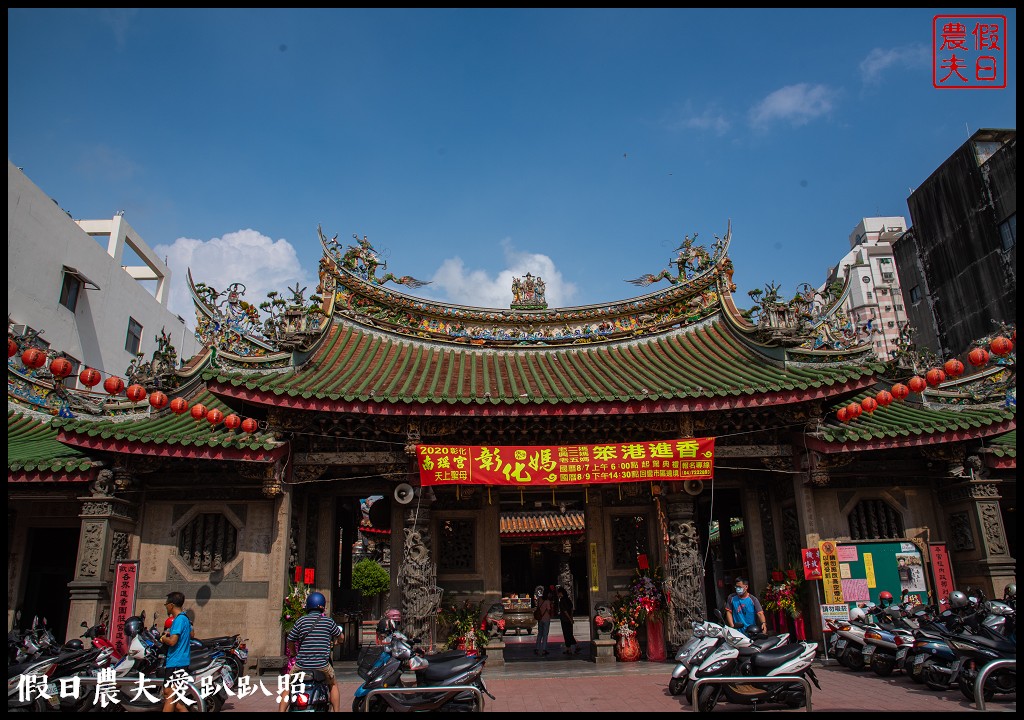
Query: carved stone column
(684, 576)
(108, 525)
(419, 594)
(977, 539)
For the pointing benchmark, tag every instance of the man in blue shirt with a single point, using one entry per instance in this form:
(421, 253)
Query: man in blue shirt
(178, 639)
(743, 611)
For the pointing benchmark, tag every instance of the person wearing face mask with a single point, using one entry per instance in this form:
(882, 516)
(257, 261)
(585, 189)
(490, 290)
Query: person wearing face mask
(743, 611)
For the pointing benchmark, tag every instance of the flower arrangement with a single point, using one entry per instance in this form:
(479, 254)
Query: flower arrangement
(781, 594)
(463, 625)
(293, 607)
(626, 614)
(648, 592)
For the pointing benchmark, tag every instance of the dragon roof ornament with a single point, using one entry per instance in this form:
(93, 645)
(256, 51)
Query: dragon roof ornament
(527, 322)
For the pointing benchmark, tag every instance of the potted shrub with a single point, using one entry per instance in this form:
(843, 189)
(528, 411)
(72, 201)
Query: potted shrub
(370, 579)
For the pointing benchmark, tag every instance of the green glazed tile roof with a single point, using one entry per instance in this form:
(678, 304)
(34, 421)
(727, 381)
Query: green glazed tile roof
(902, 419)
(170, 429)
(1004, 445)
(356, 364)
(32, 446)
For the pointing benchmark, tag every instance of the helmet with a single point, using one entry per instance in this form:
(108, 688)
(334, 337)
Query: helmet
(957, 599)
(885, 598)
(316, 601)
(133, 626)
(74, 644)
(1010, 591)
(858, 615)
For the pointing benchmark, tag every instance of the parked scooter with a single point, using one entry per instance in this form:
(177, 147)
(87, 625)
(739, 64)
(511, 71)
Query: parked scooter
(454, 668)
(705, 638)
(975, 651)
(725, 661)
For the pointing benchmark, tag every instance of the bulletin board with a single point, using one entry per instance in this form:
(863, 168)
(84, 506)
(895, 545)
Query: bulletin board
(867, 568)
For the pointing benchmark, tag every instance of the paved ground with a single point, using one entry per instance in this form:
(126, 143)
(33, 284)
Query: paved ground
(560, 684)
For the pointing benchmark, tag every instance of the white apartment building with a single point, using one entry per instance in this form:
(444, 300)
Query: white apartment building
(875, 302)
(76, 282)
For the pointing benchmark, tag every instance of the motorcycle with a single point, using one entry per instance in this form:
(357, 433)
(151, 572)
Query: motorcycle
(705, 638)
(883, 643)
(975, 651)
(449, 669)
(725, 661)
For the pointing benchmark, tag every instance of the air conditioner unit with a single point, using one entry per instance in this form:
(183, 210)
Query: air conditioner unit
(17, 330)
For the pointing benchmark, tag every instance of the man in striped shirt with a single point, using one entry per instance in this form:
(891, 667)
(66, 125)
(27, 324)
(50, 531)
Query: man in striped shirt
(315, 634)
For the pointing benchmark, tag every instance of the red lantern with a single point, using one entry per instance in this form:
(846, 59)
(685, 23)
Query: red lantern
(935, 377)
(842, 414)
(61, 367)
(900, 391)
(113, 385)
(855, 410)
(978, 357)
(214, 416)
(1001, 346)
(232, 421)
(884, 398)
(157, 400)
(869, 404)
(954, 368)
(136, 393)
(179, 405)
(198, 411)
(33, 358)
(12, 347)
(249, 426)
(917, 384)
(90, 377)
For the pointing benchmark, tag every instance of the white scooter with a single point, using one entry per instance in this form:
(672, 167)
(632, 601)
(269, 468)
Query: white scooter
(705, 638)
(726, 661)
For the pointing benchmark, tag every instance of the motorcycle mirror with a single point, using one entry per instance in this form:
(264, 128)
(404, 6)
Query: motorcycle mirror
(84, 624)
(718, 615)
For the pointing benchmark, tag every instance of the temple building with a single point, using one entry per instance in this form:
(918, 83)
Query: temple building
(304, 438)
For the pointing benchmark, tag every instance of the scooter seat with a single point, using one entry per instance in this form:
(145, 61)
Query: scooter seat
(770, 659)
(760, 646)
(438, 671)
(218, 641)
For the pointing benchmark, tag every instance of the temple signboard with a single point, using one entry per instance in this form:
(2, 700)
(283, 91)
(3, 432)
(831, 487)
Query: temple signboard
(547, 465)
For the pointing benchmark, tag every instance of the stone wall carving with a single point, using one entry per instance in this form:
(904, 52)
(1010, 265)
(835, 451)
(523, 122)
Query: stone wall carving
(960, 530)
(764, 506)
(969, 491)
(91, 550)
(992, 526)
(120, 548)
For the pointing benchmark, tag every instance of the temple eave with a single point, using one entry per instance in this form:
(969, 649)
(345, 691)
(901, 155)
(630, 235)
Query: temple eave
(924, 438)
(170, 450)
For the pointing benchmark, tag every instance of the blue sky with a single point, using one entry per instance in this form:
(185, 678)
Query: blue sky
(474, 145)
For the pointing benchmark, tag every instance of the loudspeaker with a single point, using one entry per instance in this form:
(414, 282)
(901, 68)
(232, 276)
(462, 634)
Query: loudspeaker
(404, 493)
(693, 487)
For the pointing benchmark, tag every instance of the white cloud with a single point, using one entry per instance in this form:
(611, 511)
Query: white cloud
(797, 104)
(120, 21)
(710, 118)
(246, 256)
(879, 60)
(475, 287)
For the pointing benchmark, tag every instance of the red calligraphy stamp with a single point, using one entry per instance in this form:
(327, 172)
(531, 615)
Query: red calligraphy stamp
(969, 52)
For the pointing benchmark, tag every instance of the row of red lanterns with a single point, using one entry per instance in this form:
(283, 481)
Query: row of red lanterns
(60, 367)
(978, 357)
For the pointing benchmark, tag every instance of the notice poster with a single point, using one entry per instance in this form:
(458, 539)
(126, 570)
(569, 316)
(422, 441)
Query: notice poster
(812, 563)
(830, 577)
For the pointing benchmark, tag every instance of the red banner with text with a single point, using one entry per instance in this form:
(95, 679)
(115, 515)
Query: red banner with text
(125, 582)
(544, 465)
(942, 573)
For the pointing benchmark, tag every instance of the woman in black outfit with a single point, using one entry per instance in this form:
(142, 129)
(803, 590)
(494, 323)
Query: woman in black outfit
(565, 617)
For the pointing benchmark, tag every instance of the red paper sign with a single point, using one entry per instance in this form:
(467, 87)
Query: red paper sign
(941, 572)
(812, 563)
(125, 581)
(309, 576)
(542, 466)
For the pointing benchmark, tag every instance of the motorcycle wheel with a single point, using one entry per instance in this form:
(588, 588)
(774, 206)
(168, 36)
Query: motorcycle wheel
(676, 685)
(377, 704)
(933, 678)
(707, 698)
(855, 661)
(882, 665)
(966, 685)
(915, 672)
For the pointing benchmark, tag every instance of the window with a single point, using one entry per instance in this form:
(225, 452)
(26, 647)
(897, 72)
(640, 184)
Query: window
(133, 342)
(207, 542)
(629, 540)
(1008, 232)
(868, 294)
(874, 520)
(888, 277)
(915, 295)
(69, 290)
(899, 307)
(456, 546)
(885, 261)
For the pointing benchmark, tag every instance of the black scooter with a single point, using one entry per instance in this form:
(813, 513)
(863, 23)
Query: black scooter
(450, 669)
